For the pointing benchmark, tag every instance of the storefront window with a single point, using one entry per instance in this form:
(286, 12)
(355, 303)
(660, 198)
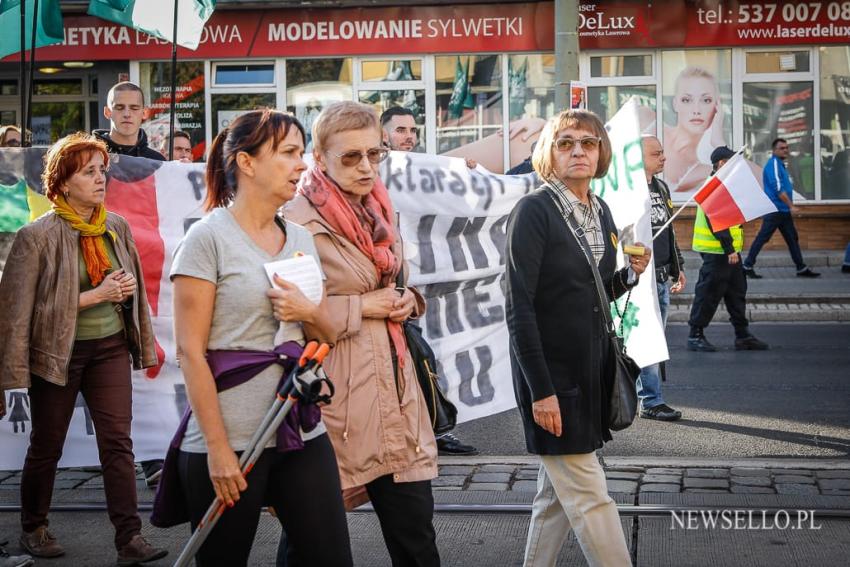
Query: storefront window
(53, 120)
(402, 70)
(243, 74)
(312, 84)
(696, 114)
(531, 80)
(58, 87)
(777, 61)
(469, 108)
(411, 99)
(782, 110)
(835, 122)
(155, 81)
(606, 101)
(227, 107)
(621, 66)
(8, 87)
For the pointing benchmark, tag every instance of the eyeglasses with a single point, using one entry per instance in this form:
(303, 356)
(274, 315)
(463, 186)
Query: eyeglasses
(352, 158)
(13, 144)
(588, 143)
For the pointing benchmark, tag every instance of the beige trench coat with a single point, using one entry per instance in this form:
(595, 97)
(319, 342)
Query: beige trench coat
(375, 429)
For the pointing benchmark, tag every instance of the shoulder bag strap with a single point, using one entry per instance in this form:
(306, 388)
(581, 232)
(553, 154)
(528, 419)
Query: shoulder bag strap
(578, 234)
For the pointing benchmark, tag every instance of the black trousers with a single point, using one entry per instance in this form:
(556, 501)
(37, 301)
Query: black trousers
(405, 511)
(718, 279)
(303, 486)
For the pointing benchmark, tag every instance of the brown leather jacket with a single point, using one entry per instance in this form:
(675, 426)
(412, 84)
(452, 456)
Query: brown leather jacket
(40, 295)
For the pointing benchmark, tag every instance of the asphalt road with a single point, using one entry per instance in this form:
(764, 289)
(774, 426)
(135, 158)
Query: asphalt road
(792, 401)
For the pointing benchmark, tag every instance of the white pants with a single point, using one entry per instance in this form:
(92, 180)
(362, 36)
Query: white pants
(571, 492)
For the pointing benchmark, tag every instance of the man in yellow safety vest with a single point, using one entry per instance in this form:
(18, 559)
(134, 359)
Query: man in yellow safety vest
(720, 277)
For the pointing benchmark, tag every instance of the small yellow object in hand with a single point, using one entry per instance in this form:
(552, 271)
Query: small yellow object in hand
(634, 250)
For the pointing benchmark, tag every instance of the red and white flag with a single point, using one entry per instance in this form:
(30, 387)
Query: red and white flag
(733, 195)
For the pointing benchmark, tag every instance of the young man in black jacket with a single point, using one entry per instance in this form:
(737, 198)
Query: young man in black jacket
(669, 266)
(125, 109)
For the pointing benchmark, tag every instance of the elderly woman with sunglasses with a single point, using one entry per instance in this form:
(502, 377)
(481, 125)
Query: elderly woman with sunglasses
(378, 422)
(558, 341)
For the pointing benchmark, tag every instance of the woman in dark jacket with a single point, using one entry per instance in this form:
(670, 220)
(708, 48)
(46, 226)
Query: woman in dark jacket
(558, 342)
(73, 312)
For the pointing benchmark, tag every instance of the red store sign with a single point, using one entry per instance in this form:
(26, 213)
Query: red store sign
(310, 33)
(623, 24)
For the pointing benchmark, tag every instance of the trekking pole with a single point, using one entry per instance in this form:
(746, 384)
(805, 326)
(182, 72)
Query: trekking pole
(303, 383)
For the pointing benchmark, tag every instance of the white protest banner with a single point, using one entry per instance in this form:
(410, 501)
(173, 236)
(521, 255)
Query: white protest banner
(453, 223)
(626, 192)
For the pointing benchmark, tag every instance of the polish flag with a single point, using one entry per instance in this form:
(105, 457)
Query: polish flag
(733, 195)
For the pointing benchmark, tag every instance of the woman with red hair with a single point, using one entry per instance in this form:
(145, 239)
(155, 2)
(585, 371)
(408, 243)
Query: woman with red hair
(73, 312)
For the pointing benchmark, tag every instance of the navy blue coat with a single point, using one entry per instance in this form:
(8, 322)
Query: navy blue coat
(558, 341)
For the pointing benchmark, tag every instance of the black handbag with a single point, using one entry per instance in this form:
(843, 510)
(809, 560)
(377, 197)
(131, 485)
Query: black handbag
(442, 412)
(621, 372)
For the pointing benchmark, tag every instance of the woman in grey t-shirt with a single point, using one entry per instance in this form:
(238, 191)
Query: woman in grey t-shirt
(222, 301)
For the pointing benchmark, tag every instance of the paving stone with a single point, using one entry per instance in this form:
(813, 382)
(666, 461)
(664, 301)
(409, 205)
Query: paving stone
(793, 479)
(627, 486)
(491, 477)
(799, 489)
(705, 491)
(664, 471)
(526, 475)
(496, 468)
(660, 488)
(487, 486)
(15, 479)
(449, 480)
(449, 488)
(707, 473)
(624, 469)
(751, 481)
(800, 472)
(835, 483)
(706, 483)
(524, 486)
(660, 478)
(844, 473)
(744, 489)
(10, 486)
(66, 484)
(75, 475)
(622, 475)
(456, 469)
(743, 471)
(5, 474)
(835, 492)
(96, 482)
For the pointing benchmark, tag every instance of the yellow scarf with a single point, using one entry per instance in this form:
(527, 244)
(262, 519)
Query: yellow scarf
(91, 243)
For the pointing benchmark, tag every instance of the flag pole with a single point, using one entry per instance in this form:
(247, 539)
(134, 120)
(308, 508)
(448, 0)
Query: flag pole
(23, 78)
(173, 85)
(31, 87)
(691, 198)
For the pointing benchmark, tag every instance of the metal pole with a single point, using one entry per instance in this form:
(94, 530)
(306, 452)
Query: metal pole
(21, 90)
(566, 50)
(173, 85)
(28, 126)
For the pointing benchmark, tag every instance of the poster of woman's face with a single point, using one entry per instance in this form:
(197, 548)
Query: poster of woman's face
(696, 114)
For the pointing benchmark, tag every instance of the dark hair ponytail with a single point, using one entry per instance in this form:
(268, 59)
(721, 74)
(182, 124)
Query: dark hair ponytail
(248, 133)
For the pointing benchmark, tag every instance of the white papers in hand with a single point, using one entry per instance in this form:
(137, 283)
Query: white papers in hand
(303, 271)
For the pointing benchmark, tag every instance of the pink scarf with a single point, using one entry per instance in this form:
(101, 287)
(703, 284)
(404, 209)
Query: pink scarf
(369, 225)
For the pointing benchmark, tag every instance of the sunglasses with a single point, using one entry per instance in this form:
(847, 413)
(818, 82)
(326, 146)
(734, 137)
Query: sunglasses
(352, 158)
(13, 144)
(588, 143)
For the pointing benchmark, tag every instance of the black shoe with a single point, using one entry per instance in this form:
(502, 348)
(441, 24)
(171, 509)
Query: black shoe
(661, 412)
(845, 269)
(751, 273)
(448, 444)
(700, 344)
(152, 470)
(750, 343)
(808, 273)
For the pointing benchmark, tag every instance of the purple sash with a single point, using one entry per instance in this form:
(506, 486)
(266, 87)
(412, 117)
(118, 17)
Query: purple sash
(230, 368)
